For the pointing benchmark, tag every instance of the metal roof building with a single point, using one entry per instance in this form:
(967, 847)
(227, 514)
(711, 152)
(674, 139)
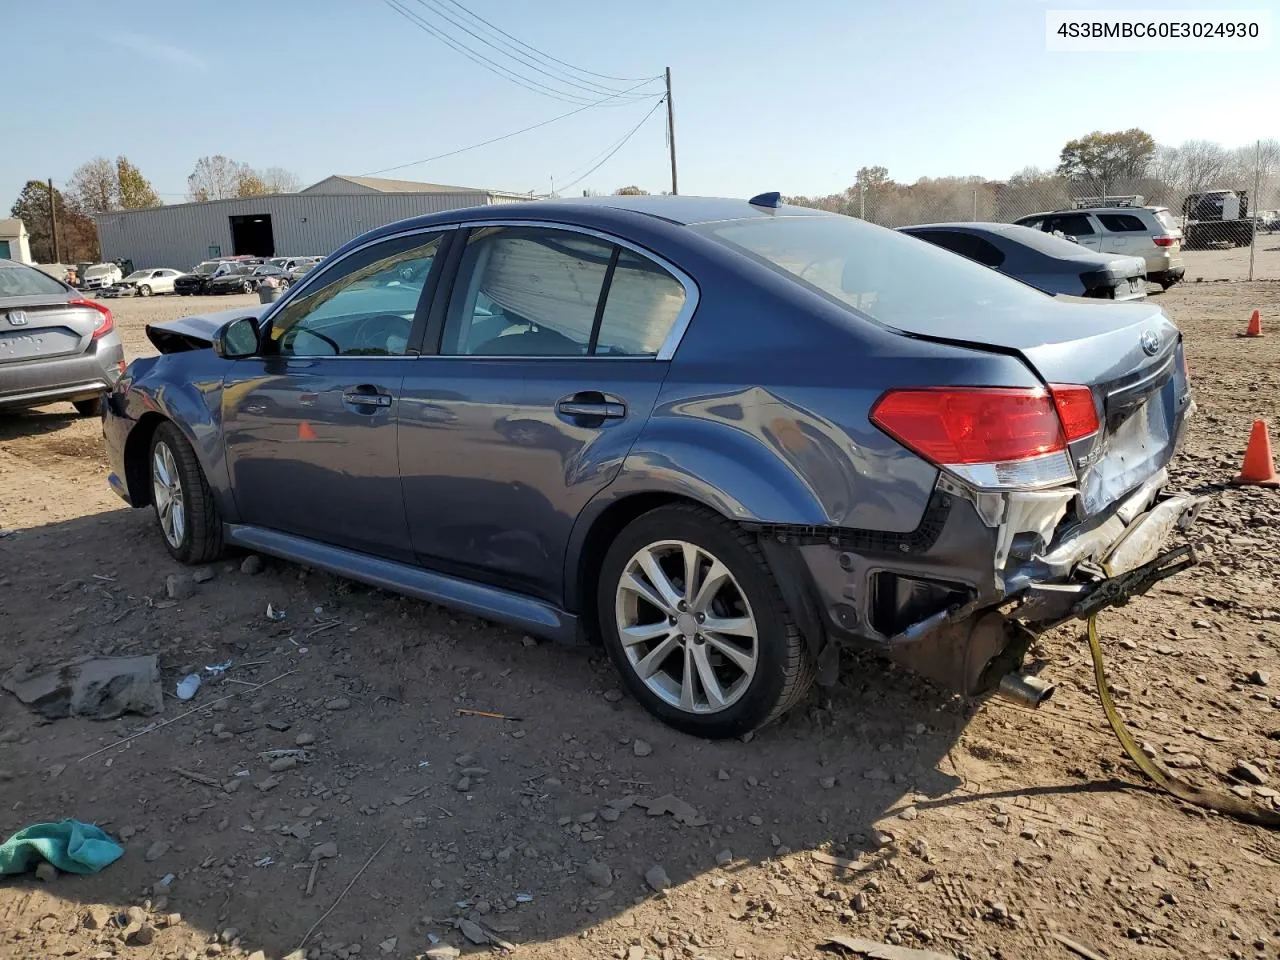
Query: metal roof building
(315, 221)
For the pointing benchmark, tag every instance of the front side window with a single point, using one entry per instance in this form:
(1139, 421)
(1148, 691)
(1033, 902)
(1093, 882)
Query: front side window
(367, 307)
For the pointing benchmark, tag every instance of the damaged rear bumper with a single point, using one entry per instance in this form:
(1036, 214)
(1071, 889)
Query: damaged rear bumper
(961, 599)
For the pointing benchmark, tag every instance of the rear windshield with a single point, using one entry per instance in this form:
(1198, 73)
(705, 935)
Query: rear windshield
(889, 276)
(1166, 219)
(17, 280)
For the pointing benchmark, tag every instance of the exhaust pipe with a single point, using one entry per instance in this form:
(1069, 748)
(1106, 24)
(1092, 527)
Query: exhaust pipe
(1025, 690)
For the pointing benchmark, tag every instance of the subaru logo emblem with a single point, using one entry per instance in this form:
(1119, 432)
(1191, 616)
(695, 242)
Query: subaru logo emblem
(17, 318)
(1150, 343)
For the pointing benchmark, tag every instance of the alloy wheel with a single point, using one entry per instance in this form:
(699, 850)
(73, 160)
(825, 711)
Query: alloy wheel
(686, 626)
(166, 493)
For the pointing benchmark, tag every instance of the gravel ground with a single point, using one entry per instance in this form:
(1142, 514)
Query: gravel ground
(880, 809)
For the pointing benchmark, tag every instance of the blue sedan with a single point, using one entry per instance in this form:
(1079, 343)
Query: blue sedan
(721, 437)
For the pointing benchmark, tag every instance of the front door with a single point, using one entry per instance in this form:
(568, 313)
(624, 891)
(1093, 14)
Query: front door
(552, 351)
(310, 424)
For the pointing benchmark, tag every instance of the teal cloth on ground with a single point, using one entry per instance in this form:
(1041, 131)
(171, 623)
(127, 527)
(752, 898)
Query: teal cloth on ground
(71, 846)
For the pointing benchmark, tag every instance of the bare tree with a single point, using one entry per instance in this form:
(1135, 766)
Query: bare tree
(94, 187)
(216, 178)
(1203, 164)
(280, 180)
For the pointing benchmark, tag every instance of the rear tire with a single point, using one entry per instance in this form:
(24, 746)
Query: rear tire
(705, 681)
(184, 505)
(88, 408)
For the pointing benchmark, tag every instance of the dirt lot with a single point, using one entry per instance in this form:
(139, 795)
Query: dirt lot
(973, 831)
(1234, 264)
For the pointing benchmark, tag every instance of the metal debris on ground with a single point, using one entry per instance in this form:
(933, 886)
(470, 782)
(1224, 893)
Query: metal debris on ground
(463, 712)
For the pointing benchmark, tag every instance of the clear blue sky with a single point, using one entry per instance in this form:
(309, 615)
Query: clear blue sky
(787, 96)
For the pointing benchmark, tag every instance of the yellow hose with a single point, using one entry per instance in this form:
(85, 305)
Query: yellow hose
(1210, 798)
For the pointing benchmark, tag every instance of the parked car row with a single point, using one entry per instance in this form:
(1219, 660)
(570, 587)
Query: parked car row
(242, 274)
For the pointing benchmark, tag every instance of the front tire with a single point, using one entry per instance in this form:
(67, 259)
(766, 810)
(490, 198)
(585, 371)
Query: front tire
(144, 291)
(184, 504)
(693, 619)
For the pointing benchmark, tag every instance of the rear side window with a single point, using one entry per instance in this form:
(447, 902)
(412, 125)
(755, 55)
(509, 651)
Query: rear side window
(1072, 224)
(23, 281)
(544, 292)
(1123, 223)
(965, 244)
(880, 273)
(1166, 219)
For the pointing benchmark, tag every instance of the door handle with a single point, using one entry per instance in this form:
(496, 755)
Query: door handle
(592, 405)
(368, 398)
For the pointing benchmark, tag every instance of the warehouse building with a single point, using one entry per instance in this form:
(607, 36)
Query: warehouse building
(315, 221)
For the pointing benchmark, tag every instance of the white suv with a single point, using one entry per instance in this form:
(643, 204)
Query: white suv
(1151, 233)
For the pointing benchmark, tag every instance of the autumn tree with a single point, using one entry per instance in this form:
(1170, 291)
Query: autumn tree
(1101, 159)
(250, 184)
(133, 188)
(631, 191)
(77, 235)
(280, 180)
(215, 178)
(93, 187)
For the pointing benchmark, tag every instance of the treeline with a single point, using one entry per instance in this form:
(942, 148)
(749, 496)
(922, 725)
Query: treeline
(1123, 162)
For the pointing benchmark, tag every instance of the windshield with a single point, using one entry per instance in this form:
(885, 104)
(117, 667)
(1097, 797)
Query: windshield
(266, 270)
(138, 275)
(206, 268)
(18, 280)
(99, 270)
(888, 276)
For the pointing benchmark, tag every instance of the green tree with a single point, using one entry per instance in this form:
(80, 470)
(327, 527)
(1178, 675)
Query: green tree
(1101, 159)
(134, 189)
(631, 191)
(77, 235)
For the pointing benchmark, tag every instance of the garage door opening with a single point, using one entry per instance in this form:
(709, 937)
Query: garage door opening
(251, 236)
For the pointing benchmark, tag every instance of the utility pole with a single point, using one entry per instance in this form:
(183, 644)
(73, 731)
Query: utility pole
(53, 222)
(1257, 185)
(671, 134)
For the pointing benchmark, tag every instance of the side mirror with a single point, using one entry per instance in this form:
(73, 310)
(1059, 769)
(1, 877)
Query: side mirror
(237, 339)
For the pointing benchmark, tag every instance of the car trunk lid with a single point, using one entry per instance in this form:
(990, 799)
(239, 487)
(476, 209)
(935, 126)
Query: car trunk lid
(1130, 355)
(43, 327)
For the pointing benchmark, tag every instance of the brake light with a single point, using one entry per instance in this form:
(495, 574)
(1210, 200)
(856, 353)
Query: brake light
(988, 436)
(1165, 241)
(105, 322)
(1076, 409)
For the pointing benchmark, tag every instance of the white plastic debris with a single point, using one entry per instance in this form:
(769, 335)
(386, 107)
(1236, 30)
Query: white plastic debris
(273, 613)
(263, 862)
(188, 686)
(219, 668)
(524, 898)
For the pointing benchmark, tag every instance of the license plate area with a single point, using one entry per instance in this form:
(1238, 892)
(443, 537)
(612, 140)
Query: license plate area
(37, 343)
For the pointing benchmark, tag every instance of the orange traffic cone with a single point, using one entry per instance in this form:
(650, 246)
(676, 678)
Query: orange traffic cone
(1259, 467)
(305, 432)
(1255, 325)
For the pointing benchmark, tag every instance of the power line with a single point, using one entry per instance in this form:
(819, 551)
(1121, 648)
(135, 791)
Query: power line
(535, 50)
(478, 58)
(555, 74)
(621, 143)
(505, 136)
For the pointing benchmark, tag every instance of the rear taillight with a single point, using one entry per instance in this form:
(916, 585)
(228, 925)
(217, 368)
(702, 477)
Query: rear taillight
(1076, 409)
(104, 323)
(988, 436)
(1165, 241)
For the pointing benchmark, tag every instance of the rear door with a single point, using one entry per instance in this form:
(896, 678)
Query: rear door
(1125, 233)
(310, 425)
(547, 362)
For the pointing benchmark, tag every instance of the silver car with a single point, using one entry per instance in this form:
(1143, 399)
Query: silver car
(54, 343)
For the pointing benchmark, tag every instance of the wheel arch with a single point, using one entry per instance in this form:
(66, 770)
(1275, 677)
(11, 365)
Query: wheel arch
(137, 448)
